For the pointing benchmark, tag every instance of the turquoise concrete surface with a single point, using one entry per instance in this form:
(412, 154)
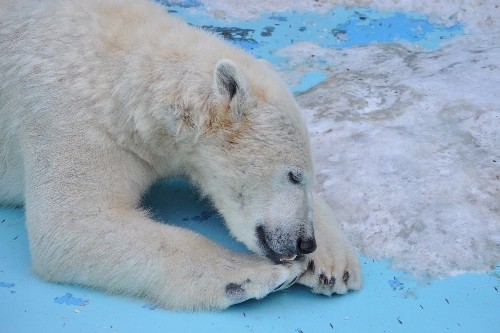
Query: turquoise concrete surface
(391, 300)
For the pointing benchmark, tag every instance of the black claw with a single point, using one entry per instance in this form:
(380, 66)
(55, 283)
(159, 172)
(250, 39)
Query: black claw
(310, 265)
(323, 279)
(346, 276)
(278, 287)
(332, 281)
(292, 282)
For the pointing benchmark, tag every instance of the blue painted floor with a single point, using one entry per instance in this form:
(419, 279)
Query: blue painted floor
(391, 301)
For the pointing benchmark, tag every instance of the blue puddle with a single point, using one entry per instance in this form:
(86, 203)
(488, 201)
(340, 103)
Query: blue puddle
(339, 28)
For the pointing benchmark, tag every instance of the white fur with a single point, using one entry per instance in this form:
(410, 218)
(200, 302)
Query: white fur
(99, 99)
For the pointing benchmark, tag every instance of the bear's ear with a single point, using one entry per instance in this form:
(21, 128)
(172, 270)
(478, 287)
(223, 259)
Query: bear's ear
(230, 86)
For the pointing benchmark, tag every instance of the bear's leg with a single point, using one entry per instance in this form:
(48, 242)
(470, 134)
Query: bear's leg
(172, 267)
(333, 267)
(84, 228)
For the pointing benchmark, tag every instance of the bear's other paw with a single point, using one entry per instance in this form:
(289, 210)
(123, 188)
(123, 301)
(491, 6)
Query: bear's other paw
(332, 270)
(334, 267)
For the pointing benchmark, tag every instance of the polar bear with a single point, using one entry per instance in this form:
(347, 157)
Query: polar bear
(99, 99)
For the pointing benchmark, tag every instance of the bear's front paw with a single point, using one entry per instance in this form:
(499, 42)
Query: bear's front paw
(260, 281)
(332, 270)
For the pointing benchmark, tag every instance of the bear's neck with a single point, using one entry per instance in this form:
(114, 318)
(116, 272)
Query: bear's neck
(158, 107)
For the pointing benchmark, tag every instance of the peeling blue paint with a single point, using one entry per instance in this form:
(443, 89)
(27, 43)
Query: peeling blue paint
(365, 26)
(339, 28)
(240, 36)
(68, 299)
(7, 285)
(396, 284)
(279, 18)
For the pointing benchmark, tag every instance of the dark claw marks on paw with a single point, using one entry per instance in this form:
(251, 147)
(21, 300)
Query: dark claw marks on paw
(326, 281)
(235, 291)
(310, 266)
(331, 283)
(323, 279)
(346, 277)
(288, 285)
(293, 281)
(278, 287)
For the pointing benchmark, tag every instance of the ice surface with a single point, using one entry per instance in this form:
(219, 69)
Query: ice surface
(407, 150)
(407, 145)
(406, 141)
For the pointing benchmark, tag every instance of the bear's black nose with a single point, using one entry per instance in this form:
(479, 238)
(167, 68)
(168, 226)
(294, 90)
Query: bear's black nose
(306, 246)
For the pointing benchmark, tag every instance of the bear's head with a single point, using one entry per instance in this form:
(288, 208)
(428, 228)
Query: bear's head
(254, 162)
